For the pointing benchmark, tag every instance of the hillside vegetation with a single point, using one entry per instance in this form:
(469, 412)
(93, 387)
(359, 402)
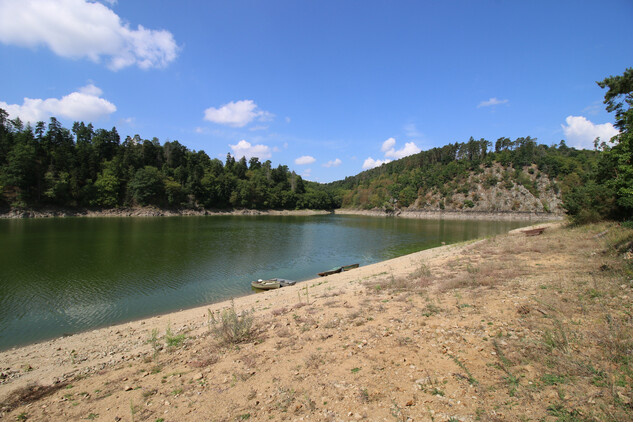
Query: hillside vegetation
(515, 176)
(51, 165)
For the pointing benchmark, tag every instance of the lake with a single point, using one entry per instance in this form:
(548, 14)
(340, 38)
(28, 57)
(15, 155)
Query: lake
(64, 275)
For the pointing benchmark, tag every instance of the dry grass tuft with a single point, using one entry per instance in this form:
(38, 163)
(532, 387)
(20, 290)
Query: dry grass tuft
(203, 363)
(29, 394)
(280, 311)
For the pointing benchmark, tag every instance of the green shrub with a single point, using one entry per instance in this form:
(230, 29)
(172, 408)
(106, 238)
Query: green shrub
(230, 327)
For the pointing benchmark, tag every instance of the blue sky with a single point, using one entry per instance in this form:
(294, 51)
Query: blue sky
(328, 88)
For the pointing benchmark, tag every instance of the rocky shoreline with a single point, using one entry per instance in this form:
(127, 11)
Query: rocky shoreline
(454, 215)
(18, 213)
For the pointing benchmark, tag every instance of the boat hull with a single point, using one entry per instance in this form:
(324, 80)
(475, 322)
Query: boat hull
(265, 284)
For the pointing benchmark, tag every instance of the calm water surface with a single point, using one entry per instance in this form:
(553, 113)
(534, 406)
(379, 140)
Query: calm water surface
(61, 276)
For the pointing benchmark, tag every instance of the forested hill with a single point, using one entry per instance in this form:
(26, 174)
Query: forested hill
(84, 167)
(518, 175)
(507, 176)
(50, 165)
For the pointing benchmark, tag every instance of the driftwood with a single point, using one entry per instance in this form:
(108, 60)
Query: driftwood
(534, 232)
(601, 234)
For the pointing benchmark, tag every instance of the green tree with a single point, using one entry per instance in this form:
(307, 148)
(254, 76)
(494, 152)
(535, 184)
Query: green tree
(18, 171)
(147, 186)
(107, 186)
(616, 164)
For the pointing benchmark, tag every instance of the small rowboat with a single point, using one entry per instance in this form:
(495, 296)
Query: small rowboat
(283, 282)
(266, 284)
(273, 283)
(350, 267)
(338, 269)
(330, 272)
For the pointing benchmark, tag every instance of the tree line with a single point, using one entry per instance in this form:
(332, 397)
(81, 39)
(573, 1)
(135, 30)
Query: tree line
(86, 167)
(52, 165)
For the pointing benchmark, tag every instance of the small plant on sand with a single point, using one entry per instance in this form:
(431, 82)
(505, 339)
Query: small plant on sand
(470, 378)
(173, 340)
(133, 409)
(153, 340)
(232, 328)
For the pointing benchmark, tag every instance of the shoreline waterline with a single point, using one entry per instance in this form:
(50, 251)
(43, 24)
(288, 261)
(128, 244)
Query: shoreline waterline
(72, 275)
(62, 358)
(18, 213)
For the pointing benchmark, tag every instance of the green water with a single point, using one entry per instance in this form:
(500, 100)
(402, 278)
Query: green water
(62, 276)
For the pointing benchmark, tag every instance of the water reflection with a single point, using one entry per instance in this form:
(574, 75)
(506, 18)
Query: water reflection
(65, 275)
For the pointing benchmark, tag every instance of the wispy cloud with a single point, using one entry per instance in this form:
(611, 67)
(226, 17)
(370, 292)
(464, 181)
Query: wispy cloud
(84, 29)
(411, 131)
(237, 114)
(333, 163)
(84, 104)
(581, 132)
(492, 102)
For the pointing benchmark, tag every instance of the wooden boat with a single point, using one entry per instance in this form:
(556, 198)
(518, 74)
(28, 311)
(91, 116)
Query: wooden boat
(534, 232)
(338, 269)
(284, 282)
(266, 284)
(332, 271)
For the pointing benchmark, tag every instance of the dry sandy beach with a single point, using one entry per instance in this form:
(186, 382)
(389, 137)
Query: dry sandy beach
(495, 329)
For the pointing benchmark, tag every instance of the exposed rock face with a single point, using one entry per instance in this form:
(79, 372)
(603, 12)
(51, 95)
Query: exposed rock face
(496, 191)
(490, 193)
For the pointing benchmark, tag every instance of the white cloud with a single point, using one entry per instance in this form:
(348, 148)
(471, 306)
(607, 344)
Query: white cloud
(388, 144)
(236, 114)
(85, 104)
(581, 132)
(370, 163)
(305, 160)
(245, 149)
(492, 102)
(83, 29)
(389, 148)
(333, 163)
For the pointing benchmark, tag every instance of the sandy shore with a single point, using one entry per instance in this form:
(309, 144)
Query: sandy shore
(456, 215)
(482, 330)
(53, 361)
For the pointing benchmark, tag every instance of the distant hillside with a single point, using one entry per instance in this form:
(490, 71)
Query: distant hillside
(514, 176)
